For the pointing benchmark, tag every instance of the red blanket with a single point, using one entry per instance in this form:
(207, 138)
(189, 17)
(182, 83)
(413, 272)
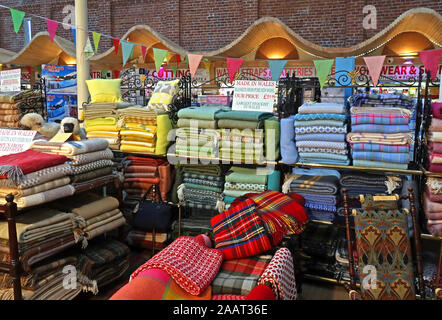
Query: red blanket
(437, 110)
(435, 146)
(188, 261)
(15, 166)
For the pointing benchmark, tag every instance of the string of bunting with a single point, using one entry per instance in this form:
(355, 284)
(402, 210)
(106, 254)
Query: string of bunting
(429, 58)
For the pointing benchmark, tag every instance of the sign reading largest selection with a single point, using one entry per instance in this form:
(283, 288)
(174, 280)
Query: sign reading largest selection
(10, 80)
(254, 95)
(15, 141)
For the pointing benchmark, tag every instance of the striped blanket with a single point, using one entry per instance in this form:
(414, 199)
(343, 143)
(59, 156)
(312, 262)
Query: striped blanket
(379, 118)
(379, 138)
(380, 128)
(374, 147)
(324, 185)
(379, 164)
(381, 156)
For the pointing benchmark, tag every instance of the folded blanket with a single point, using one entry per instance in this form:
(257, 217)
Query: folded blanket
(378, 138)
(380, 128)
(324, 185)
(435, 229)
(15, 166)
(91, 157)
(90, 175)
(322, 144)
(36, 189)
(309, 108)
(435, 146)
(313, 123)
(320, 116)
(320, 129)
(435, 185)
(246, 175)
(39, 177)
(43, 197)
(373, 147)
(208, 182)
(435, 136)
(383, 110)
(210, 170)
(437, 110)
(244, 115)
(91, 166)
(88, 205)
(236, 193)
(323, 150)
(188, 261)
(331, 137)
(280, 273)
(322, 155)
(201, 113)
(382, 156)
(379, 119)
(314, 197)
(239, 124)
(379, 164)
(100, 121)
(71, 148)
(435, 167)
(320, 207)
(325, 161)
(352, 180)
(253, 187)
(192, 123)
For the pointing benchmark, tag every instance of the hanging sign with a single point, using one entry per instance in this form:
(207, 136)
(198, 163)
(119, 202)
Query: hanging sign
(11, 80)
(15, 141)
(254, 95)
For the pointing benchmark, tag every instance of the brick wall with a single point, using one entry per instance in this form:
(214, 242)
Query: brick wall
(201, 25)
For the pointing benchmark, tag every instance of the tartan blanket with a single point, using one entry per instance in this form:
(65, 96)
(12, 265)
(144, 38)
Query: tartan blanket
(381, 156)
(380, 164)
(15, 166)
(379, 118)
(239, 232)
(320, 129)
(380, 128)
(280, 273)
(324, 185)
(374, 147)
(188, 261)
(379, 138)
(239, 276)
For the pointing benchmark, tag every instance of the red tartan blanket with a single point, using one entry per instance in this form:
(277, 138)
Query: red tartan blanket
(15, 166)
(188, 261)
(238, 231)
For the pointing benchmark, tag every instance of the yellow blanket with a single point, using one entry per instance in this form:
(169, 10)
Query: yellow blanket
(137, 144)
(100, 121)
(112, 128)
(164, 125)
(98, 134)
(139, 127)
(136, 134)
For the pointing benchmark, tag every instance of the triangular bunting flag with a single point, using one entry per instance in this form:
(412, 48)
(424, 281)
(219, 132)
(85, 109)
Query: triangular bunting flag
(17, 18)
(174, 70)
(193, 62)
(374, 65)
(116, 74)
(132, 52)
(323, 68)
(158, 56)
(430, 59)
(207, 65)
(74, 35)
(116, 44)
(88, 48)
(168, 56)
(144, 52)
(52, 28)
(342, 67)
(178, 58)
(187, 62)
(276, 68)
(96, 36)
(233, 65)
(126, 48)
(103, 74)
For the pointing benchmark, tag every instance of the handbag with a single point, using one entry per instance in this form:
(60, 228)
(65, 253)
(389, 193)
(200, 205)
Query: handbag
(151, 215)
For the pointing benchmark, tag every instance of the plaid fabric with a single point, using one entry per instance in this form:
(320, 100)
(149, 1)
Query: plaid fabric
(380, 147)
(379, 118)
(379, 164)
(380, 128)
(381, 156)
(240, 276)
(239, 232)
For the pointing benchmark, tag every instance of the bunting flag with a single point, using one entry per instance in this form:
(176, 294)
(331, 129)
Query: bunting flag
(207, 65)
(276, 68)
(96, 36)
(178, 58)
(168, 57)
(174, 70)
(187, 62)
(342, 68)
(103, 74)
(193, 63)
(430, 59)
(116, 74)
(17, 18)
(374, 65)
(132, 52)
(116, 44)
(233, 65)
(74, 35)
(144, 52)
(158, 56)
(126, 48)
(88, 48)
(52, 28)
(323, 68)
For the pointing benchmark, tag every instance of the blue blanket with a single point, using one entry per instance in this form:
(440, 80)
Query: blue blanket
(381, 156)
(379, 128)
(379, 164)
(289, 153)
(335, 137)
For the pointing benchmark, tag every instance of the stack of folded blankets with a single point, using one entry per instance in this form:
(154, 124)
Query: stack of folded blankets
(434, 138)
(320, 130)
(320, 194)
(141, 173)
(34, 178)
(248, 136)
(382, 130)
(90, 160)
(433, 206)
(94, 215)
(143, 130)
(240, 181)
(13, 105)
(101, 119)
(214, 100)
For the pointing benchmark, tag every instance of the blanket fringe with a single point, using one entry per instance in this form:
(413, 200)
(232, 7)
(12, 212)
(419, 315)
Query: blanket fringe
(87, 285)
(221, 206)
(286, 186)
(391, 184)
(14, 173)
(180, 192)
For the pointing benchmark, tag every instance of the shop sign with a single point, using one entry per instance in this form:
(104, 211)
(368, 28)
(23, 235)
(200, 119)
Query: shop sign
(10, 80)
(15, 141)
(201, 74)
(254, 95)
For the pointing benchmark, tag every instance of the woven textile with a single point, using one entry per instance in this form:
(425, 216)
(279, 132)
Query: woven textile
(280, 273)
(381, 156)
(380, 128)
(251, 187)
(239, 232)
(320, 116)
(379, 138)
(188, 261)
(320, 129)
(373, 147)
(323, 150)
(382, 241)
(321, 144)
(379, 164)
(325, 185)
(379, 118)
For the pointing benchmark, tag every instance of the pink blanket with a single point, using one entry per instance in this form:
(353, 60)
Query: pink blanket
(435, 146)
(435, 229)
(437, 110)
(433, 210)
(436, 125)
(433, 197)
(188, 261)
(435, 167)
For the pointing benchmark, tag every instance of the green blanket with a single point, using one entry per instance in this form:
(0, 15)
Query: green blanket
(272, 135)
(201, 113)
(206, 124)
(244, 115)
(246, 175)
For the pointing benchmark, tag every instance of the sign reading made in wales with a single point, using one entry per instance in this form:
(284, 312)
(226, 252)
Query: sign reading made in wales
(254, 95)
(15, 141)
(11, 80)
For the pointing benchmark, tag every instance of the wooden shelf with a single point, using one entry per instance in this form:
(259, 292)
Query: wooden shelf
(354, 168)
(325, 279)
(430, 237)
(431, 174)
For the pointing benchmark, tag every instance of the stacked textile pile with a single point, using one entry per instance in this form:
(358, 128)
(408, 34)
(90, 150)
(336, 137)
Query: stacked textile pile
(100, 121)
(214, 100)
(240, 181)
(141, 173)
(382, 130)
(90, 160)
(320, 194)
(94, 215)
(143, 130)
(147, 240)
(433, 206)
(435, 139)
(34, 178)
(41, 233)
(320, 130)
(13, 105)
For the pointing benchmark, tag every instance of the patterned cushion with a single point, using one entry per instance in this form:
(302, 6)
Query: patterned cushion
(163, 94)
